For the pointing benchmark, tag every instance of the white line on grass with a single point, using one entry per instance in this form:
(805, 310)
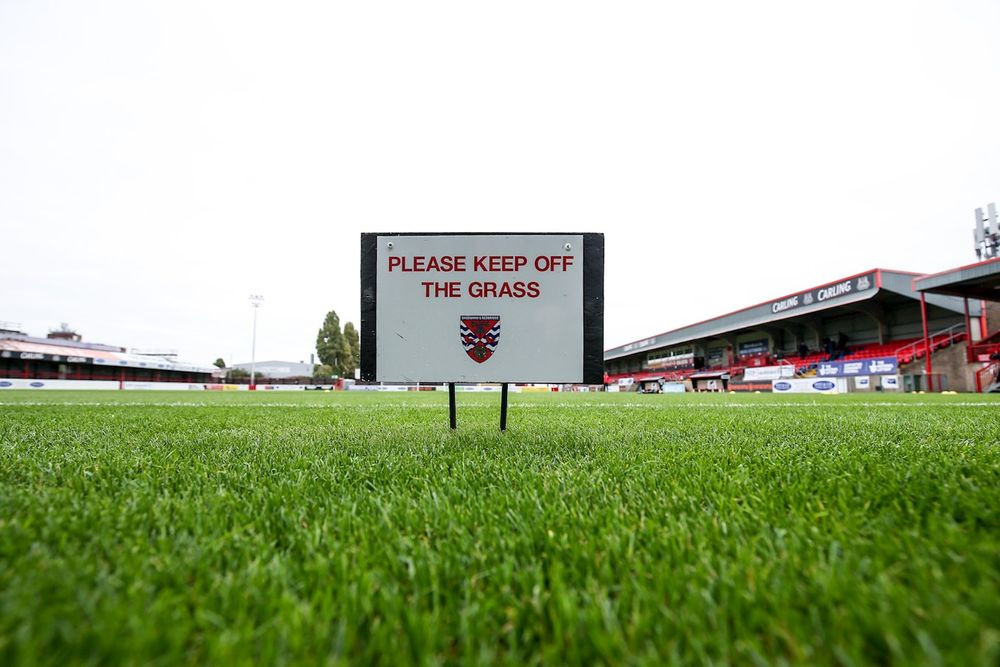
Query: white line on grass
(427, 406)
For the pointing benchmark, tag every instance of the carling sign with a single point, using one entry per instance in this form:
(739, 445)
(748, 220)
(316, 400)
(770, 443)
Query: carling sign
(482, 308)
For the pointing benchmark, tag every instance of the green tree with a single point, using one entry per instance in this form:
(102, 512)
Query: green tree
(219, 363)
(323, 372)
(330, 342)
(237, 374)
(354, 346)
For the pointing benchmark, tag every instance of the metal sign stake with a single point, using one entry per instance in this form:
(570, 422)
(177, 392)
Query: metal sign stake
(451, 404)
(503, 407)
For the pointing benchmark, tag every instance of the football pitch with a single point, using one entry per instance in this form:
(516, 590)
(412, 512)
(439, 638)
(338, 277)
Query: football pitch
(316, 527)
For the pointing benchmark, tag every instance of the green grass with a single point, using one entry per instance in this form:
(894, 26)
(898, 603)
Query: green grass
(325, 528)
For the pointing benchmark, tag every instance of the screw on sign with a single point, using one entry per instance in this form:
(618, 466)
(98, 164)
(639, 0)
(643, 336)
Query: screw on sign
(546, 288)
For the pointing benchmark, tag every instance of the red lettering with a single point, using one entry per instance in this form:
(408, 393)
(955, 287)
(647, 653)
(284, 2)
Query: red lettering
(421, 264)
(449, 290)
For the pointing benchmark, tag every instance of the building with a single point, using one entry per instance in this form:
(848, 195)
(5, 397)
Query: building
(280, 370)
(63, 355)
(875, 315)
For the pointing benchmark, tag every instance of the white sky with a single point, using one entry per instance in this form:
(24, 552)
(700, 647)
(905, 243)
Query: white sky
(159, 162)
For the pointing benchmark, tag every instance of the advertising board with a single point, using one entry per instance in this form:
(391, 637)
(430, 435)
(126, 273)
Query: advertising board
(877, 366)
(808, 386)
(769, 372)
(830, 292)
(482, 307)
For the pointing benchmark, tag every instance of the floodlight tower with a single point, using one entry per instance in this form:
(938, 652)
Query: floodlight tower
(255, 301)
(987, 233)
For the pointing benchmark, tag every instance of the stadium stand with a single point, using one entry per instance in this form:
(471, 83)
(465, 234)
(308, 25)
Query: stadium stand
(68, 357)
(875, 315)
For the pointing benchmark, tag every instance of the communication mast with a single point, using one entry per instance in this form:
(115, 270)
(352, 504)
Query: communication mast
(987, 233)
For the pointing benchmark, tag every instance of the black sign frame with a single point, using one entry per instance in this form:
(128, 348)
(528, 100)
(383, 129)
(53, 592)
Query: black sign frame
(593, 298)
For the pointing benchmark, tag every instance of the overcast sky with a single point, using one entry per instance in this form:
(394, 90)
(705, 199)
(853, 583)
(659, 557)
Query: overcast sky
(159, 162)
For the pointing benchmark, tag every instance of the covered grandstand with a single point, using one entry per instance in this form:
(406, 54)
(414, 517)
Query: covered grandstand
(871, 323)
(61, 357)
(979, 282)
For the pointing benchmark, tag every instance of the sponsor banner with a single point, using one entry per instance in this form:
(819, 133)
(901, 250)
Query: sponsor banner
(163, 386)
(477, 308)
(751, 347)
(769, 372)
(672, 388)
(878, 366)
(831, 292)
(38, 356)
(749, 386)
(808, 386)
(22, 383)
(679, 361)
(640, 344)
(890, 382)
(862, 382)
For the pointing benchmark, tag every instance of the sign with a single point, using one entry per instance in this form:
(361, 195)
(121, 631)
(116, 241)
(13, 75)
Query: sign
(878, 366)
(808, 386)
(749, 347)
(769, 372)
(862, 382)
(482, 308)
(890, 382)
(679, 361)
(825, 293)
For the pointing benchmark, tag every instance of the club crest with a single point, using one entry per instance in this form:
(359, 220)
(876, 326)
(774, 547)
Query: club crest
(480, 335)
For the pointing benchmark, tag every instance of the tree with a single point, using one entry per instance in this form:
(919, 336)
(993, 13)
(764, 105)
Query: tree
(330, 342)
(323, 372)
(354, 347)
(235, 374)
(219, 363)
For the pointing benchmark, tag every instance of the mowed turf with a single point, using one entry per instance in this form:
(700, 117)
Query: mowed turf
(324, 528)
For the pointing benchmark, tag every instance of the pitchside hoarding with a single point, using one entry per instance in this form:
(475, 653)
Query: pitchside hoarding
(482, 308)
(877, 366)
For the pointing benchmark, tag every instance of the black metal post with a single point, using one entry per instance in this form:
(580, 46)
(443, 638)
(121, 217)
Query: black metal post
(503, 407)
(451, 404)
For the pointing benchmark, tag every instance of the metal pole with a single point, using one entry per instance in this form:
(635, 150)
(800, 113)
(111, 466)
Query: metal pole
(928, 367)
(503, 407)
(451, 404)
(253, 349)
(968, 331)
(255, 301)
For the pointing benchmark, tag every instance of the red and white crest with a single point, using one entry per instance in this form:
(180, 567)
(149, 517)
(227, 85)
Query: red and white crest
(480, 335)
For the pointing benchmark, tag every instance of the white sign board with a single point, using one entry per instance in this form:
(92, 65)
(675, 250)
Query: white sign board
(769, 372)
(809, 386)
(482, 308)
